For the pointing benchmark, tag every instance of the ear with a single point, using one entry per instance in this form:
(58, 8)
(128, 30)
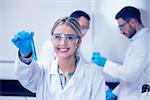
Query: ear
(79, 42)
(133, 22)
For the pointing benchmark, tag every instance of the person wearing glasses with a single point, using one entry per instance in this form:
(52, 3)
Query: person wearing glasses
(134, 72)
(47, 53)
(69, 77)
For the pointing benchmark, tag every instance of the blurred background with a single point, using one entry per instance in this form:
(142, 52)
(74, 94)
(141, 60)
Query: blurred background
(39, 16)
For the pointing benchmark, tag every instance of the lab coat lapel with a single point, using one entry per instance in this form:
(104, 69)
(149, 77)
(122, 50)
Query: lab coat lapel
(76, 78)
(55, 76)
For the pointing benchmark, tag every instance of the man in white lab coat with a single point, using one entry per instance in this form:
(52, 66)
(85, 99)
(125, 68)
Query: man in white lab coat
(47, 53)
(68, 77)
(134, 72)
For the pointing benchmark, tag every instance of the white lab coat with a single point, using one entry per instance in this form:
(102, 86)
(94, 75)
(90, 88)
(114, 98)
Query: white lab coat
(87, 83)
(135, 69)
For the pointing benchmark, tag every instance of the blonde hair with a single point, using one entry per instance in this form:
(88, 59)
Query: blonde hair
(69, 21)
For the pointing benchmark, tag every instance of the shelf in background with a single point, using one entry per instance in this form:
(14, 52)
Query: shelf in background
(13, 88)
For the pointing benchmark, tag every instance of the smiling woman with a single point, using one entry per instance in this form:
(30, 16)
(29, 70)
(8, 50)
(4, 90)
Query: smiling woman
(69, 76)
(66, 36)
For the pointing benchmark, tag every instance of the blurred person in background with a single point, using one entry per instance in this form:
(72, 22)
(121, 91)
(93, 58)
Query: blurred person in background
(134, 72)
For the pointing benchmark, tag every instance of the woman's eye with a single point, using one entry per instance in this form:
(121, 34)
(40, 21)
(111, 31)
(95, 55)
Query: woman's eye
(57, 37)
(70, 38)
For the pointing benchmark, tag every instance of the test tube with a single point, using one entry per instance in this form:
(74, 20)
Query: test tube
(33, 49)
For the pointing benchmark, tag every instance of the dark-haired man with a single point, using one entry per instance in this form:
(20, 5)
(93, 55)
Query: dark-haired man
(134, 72)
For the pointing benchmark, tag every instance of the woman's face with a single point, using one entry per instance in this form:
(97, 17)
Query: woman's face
(65, 41)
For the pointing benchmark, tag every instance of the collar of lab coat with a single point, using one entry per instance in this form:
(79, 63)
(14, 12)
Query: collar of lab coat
(77, 76)
(78, 72)
(139, 34)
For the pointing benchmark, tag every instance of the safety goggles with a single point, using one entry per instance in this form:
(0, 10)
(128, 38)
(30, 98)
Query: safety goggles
(121, 26)
(84, 27)
(67, 37)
